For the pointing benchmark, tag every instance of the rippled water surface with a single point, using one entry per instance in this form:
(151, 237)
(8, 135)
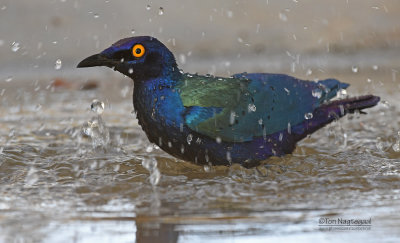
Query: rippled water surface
(57, 184)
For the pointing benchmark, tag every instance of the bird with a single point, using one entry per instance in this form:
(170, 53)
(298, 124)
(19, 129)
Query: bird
(209, 120)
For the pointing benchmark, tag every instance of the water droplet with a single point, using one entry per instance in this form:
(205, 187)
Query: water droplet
(317, 93)
(96, 129)
(287, 91)
(182, 149)
(218, 140)
(309, 72)
(342, 93)
(97, 106)
(9, 79)
(11, 133)
(308, 116)
(130, 70)
(228, 156)
(161, 11)
(31, 177)
(189, 138)
(15, 46)
(232, 118)
(182, 59)
(396, 146)
(151, 166)
(260, 121)
(133, 31)
(379, 144)
(149, 149)
(96, 15)
(354, 69)
(229, 14)
(283, 17)
(289, 128)
(38, 107)
(375, 67)
(58, 64)
(280, 136)
(148, 7)
(252, 108)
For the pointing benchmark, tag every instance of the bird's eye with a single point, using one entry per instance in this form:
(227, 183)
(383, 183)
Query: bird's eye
(138, 50)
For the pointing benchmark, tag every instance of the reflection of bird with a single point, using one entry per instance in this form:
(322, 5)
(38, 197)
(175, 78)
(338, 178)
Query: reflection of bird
(205, 119)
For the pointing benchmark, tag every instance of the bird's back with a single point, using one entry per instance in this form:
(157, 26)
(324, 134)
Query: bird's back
(246, 106)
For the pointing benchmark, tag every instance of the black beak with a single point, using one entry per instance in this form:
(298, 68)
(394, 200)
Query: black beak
(96, 60)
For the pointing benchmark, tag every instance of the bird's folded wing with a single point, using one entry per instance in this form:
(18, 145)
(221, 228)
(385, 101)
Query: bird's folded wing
(245, 106)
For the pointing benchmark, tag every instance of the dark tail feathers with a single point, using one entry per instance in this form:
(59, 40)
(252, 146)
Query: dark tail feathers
(331, 111)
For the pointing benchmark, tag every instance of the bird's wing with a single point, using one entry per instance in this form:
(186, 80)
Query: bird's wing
(245, 106)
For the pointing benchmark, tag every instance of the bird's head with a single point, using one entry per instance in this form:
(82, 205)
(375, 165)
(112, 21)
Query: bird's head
(140, 58)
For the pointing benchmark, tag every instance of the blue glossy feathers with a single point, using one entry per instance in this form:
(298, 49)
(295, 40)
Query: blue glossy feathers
(215, 120)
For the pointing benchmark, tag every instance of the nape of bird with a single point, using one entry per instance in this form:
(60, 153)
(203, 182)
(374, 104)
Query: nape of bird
(243, 119)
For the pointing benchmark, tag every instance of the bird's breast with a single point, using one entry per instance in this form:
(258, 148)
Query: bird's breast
(159, 111)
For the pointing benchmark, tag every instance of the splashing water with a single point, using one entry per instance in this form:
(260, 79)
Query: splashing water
(354, 69)
(251, 108)
(151, 165)
(97, 106)
(189, 139)
(15, 46)
(308, 116)
(96, 128)
(161, 11)
(58, 64)
(317, 93)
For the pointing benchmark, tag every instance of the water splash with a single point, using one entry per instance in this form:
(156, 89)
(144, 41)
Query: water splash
(317, 93)
(354, 69)
(15, 46)
(161, 11)
(97, 106)
(151, 165)
(96, 128)
(252, 108)
(308, 116)
(9, 79)
(31, 177)
(283, 17)
(189, 139)
(58, 64)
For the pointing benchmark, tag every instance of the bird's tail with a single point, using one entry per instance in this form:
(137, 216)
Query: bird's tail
(329, 112)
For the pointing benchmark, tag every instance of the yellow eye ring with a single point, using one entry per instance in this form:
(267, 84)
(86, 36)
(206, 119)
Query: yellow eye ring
(138, 50)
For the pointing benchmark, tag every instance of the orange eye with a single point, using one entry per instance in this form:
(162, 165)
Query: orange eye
(138, 50)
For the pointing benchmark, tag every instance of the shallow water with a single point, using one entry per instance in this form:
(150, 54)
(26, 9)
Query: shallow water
(56, 184)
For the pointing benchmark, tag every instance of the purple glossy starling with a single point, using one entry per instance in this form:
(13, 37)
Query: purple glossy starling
(241, 119)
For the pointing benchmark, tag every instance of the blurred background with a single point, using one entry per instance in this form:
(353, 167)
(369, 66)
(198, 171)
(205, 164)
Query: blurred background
(60, 184)
(272, 33)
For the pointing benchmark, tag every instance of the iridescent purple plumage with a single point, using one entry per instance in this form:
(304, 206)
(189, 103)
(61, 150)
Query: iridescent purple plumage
(242, 119)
